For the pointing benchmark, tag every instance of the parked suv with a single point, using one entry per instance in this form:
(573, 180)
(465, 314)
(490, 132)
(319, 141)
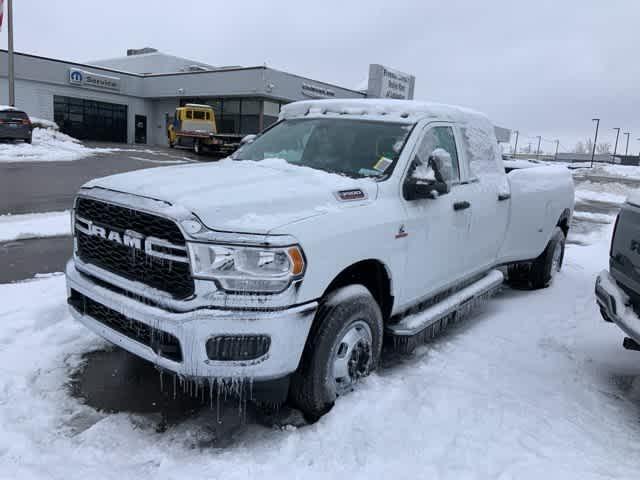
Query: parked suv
(15, 125)
(288, 263)
(618, 289)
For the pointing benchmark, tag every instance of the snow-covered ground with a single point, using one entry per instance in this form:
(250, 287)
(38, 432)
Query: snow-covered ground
(34, 225)
(48, 145)
(607, 170)
(533, 385)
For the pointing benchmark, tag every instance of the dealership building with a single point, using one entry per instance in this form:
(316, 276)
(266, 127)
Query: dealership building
(130, 99)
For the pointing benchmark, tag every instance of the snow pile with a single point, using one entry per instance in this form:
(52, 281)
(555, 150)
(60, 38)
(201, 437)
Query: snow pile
(34, 225)
(48, 145)
(630, 172)
(42, 123)
(610, 192)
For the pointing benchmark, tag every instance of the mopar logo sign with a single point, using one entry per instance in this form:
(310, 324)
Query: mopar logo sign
(75, 76)
(86, 79)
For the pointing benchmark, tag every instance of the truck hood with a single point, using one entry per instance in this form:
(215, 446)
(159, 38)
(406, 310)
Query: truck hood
(243, 196)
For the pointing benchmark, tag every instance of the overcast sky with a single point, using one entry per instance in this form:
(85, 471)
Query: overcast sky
(542, 67)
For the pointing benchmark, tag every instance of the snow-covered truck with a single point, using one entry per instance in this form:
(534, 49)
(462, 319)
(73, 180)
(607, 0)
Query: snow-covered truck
(347, 223)
(618, 289)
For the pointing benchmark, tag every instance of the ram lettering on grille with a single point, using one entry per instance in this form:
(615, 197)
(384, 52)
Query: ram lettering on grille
(109, 236)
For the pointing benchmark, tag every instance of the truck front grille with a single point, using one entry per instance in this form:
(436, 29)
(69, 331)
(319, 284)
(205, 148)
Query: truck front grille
(161, 342)
(171, 276)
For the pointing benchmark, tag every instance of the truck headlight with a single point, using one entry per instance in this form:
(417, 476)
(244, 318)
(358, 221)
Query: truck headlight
(247, 269)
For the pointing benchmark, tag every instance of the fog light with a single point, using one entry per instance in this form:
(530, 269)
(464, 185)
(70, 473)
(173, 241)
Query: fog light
(237, 347)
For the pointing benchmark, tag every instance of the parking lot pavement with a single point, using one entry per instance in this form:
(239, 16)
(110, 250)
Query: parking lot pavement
(33, 187)
(22, 259)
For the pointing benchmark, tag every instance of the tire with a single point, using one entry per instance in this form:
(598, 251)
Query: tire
(347, 332)
(197, 147)
(28, 140)
(540, 273)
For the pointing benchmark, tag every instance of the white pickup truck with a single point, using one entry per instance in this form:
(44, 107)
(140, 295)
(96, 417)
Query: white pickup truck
(345, 223)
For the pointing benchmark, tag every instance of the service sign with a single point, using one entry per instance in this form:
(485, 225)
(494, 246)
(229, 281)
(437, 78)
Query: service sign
(385, 82)
(83, 78)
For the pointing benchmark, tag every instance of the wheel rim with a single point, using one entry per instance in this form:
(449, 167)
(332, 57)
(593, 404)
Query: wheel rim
(556, 259)
(351, 357)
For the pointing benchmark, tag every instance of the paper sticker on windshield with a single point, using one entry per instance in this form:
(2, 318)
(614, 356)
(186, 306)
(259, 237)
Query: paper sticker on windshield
(382, 164)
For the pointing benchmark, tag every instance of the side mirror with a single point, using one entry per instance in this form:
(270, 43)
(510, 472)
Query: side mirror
(442, 165)
(248, 139)
(430, 179)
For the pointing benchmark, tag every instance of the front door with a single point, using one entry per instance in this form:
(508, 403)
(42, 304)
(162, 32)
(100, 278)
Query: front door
(437, 228)
(141, 129)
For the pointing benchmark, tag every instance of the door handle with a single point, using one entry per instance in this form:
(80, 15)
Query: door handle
(504, 196)
(461, 205)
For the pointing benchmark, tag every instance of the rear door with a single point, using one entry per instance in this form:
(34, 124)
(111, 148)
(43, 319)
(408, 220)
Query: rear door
(487, 190)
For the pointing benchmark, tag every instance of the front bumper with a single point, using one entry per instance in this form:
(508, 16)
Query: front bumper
(286, 328)
(614, 304)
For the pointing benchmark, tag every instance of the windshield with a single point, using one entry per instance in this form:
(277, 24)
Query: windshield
(356, 148)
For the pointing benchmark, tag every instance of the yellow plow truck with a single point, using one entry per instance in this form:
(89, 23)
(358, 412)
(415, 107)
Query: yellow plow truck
(194, 126)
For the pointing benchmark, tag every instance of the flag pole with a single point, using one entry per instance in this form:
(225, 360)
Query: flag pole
(12, 94)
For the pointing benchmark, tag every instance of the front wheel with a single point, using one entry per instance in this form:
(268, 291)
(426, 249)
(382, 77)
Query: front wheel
(343, 347)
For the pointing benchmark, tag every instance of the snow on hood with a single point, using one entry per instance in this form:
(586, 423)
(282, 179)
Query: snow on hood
(241, 196)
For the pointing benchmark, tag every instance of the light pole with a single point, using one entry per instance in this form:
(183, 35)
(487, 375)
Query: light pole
(538, 150)
(515, 148)
(595, 141)
(626, 150)
(615, 148)
(555, 157)
(11, 76)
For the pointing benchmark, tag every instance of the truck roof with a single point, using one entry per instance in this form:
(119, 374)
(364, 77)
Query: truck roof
(398, 110)
(196, 105)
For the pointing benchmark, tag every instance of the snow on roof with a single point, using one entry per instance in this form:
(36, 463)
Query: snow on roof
(149, 63)
(409, 110)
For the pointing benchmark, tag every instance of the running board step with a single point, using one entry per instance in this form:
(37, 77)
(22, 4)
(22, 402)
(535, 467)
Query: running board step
(419, 327)
(630, 344)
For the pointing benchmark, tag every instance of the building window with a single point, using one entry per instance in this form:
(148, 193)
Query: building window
(250, 116)
(239, 115)
(91, 120)
(271, 112)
